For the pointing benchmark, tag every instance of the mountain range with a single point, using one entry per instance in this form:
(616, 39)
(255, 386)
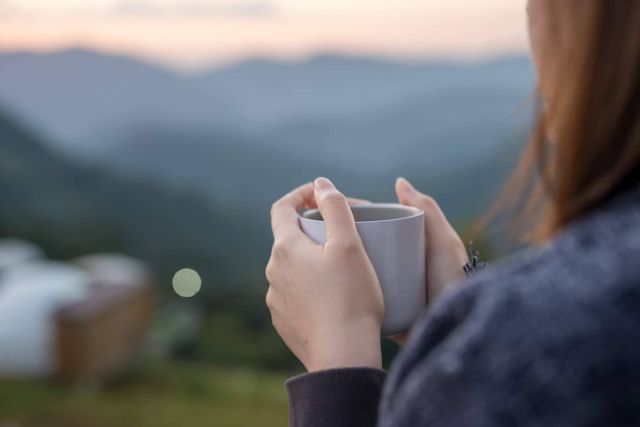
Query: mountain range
(78, 93)
(233, 139)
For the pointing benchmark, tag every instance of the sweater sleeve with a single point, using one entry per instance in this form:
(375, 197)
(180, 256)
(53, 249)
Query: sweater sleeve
(335, 398)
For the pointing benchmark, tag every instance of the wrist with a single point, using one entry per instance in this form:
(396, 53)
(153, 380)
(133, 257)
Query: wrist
(346, 347)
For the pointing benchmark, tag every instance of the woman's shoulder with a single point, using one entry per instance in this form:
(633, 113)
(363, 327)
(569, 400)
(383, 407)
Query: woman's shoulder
(545, 326)
(588, 273)
(588, 266)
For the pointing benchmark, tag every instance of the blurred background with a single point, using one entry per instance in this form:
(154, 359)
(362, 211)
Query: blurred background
(142, 143)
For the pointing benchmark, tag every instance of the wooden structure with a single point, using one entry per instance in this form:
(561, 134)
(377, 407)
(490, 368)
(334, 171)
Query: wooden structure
(103, 333)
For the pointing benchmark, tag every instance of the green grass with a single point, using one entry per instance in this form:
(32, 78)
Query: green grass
(167, 394)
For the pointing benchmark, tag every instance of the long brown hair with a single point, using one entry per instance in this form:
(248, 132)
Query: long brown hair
(592, 115)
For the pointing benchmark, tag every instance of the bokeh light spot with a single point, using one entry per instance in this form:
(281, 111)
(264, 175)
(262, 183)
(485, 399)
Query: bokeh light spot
(186, 282)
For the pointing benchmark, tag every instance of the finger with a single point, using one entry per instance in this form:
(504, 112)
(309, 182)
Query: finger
(285, 212)
(355, 202)
(335, 211)
(434, 218)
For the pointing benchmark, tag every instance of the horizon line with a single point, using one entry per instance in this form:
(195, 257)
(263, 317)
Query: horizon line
(292, 59)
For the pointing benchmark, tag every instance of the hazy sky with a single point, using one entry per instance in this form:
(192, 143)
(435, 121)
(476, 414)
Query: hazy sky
(192, 33)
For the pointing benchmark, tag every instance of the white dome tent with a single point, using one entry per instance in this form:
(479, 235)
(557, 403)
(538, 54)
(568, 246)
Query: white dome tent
(30, 294)
(115, 269)
(14, 252)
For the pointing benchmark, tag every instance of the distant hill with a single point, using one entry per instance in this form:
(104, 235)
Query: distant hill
(72, 209)
(243, 176)
(335, 87)
(77, 95)
(241, 135)
(82, 97)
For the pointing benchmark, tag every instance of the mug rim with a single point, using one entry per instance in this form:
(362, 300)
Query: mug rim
(416, 212)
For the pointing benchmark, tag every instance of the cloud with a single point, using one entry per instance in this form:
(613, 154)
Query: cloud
(193, 8)
(144, 9)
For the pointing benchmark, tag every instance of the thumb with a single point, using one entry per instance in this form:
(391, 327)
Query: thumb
(435, 220)
(335, 211)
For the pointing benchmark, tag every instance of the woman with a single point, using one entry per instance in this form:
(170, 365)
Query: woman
(551, 338)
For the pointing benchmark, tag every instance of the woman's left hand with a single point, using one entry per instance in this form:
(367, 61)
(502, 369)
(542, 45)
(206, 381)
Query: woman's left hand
(325, 300)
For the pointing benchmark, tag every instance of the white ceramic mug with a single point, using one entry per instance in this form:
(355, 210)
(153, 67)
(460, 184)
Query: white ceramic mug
(393, 237)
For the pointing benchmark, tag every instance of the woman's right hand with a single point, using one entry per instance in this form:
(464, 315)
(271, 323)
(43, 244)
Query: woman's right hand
(446, 254)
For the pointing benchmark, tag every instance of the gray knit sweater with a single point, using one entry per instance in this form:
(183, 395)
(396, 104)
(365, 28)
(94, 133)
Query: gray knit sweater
(548, 338)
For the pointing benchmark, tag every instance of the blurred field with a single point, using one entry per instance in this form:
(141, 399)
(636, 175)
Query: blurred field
(164, 394)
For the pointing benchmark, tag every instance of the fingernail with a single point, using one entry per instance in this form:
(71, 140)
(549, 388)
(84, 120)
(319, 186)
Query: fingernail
(322, 184)
(405, 185)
